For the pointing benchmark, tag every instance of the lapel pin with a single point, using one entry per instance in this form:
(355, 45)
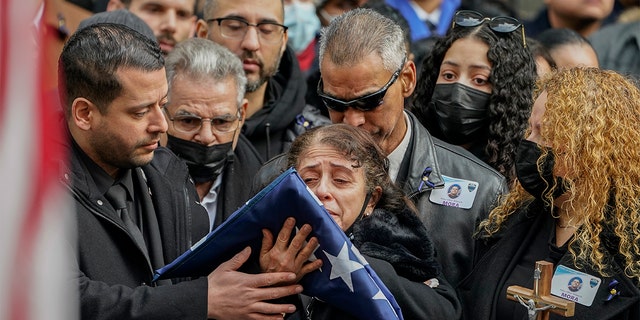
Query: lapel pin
(425, 179)
(613, 290)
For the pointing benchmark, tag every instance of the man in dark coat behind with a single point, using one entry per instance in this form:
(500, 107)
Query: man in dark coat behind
(136, 208)
(254, 31)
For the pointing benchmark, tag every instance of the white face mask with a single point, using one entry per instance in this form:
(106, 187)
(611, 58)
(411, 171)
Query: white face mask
(303, 24)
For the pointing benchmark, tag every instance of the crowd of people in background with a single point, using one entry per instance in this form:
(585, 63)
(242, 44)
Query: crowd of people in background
(453, 142)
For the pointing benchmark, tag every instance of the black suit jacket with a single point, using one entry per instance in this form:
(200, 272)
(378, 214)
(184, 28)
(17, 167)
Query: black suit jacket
(113, 273)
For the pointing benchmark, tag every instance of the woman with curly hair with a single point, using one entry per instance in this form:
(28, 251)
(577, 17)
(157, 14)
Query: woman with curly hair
(475, 88)
(575, 203)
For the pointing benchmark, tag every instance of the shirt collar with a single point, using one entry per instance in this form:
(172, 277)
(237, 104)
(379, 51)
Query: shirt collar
(397, 155)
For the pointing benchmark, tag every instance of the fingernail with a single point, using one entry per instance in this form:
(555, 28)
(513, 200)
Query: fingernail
(298, 289)
(291, 309)
(291, 276)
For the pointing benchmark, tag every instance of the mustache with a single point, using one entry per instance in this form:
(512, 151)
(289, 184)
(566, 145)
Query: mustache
(167, 38)
(154, 139)
(252, 56)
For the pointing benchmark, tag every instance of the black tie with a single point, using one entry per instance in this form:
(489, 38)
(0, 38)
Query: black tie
(432, 27)
(117, 195)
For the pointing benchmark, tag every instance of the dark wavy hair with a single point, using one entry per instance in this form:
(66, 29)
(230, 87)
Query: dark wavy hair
(513, 76)
(358, 146)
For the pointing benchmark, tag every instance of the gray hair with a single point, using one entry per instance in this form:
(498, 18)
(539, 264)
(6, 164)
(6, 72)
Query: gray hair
(358, 33)
(202, 59)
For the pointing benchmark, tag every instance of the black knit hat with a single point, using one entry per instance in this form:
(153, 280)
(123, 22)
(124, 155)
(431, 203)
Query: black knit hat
(121, 16)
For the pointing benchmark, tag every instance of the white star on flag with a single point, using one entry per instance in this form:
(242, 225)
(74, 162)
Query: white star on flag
(379, 296)
(342, 266)
(359, 255)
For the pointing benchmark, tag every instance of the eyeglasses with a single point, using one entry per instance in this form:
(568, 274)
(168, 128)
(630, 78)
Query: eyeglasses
(191, 123)
(365, 103)
(500, 24)
(236, 28)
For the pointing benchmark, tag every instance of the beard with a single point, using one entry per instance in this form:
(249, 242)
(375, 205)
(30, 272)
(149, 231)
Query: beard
(266, 72)
(112, 149)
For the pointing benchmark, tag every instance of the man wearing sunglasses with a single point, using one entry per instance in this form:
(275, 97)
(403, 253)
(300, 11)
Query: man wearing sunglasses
(365, 81)
(253, 30)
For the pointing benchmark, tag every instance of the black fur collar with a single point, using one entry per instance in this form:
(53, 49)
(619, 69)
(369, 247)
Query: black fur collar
(400, 239)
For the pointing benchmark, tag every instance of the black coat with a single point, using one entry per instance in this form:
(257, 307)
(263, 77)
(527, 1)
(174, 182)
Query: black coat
(237, 180)
(480, 290)
(113, 274)
(450, 228)
(399, 250)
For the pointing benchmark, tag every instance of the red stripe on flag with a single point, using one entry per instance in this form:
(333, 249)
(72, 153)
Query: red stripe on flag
(4, 52)
(44, 173)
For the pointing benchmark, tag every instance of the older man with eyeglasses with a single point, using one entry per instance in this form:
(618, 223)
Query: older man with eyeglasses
(206, 109)
(254, 31)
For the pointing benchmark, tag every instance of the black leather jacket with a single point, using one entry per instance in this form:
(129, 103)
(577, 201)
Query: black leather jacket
(451, 229)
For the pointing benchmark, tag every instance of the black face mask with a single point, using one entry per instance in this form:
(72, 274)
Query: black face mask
(461, 112)
(535, 182)
(205, 163)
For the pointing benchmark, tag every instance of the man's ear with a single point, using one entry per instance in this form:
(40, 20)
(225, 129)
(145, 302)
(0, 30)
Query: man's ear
(202, 29)
(408, 78)
(285, 39)
(82, 113)
(243, 117)
(243, 111)
(113, 5)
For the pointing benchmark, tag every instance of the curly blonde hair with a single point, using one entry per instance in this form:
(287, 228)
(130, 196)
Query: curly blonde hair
(592, 125)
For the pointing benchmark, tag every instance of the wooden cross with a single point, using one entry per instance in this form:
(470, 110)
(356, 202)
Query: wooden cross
(539, 301)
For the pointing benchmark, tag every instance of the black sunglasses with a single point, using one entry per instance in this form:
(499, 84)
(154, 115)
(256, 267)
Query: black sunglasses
(365, 103)
(500, 24)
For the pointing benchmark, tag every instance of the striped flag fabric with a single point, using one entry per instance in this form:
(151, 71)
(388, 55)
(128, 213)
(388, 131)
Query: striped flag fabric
(345, 279)
(33, 253)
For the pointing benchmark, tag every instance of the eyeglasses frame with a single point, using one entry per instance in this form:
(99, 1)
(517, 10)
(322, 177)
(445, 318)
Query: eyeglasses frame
(483, 19)
(346, 104)
(255, 25)
(213, 130)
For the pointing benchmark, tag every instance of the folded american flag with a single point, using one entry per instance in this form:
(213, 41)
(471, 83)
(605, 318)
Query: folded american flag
(345, 280)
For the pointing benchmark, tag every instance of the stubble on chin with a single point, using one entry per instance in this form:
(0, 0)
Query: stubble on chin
(265, 74)
(252, 86)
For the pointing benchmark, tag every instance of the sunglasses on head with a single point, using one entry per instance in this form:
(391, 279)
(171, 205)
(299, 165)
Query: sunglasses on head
(367, 102)
(500, 24)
